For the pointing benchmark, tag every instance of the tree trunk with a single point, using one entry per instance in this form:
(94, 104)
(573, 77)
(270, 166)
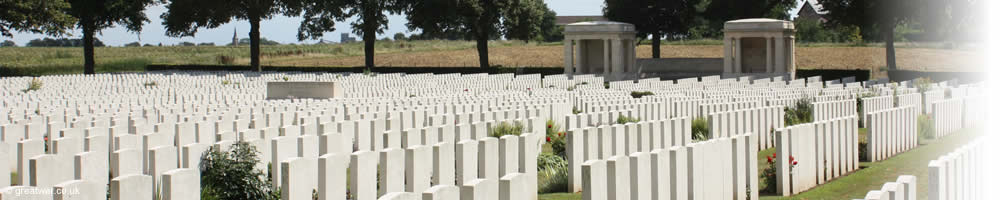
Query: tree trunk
(890, 48)
(482, 45)
(656, 45)
(255, 44)
(88, 49)
(369, 38)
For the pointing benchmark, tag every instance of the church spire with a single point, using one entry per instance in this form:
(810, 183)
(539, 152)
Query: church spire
(236, 39)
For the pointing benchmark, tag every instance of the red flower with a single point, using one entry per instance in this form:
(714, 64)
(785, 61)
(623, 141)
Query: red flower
(769, 160)
(46, 138)
(466, 90)
(774, 155)
(550, 125)
(548, 139)
(561, 134)
(791, 158)
(795, 163)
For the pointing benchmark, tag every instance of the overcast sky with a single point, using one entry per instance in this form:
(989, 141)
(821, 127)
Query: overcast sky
(281, 29)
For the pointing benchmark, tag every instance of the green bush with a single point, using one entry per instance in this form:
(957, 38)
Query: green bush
(231, 175)
(576, 111)
(506, 128)
(800, 113)
(553, 174)
(34, 85)
(699, 129)
(556, 138)
(863, 145)
(925, 126)
(622, 119)
(769, 179)
(638, 94)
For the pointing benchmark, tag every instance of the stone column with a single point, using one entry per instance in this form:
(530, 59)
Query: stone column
(738, 57)
(617, 66)
(630, 46)
(791, 57)
(568, 57)
(605, 56)
(727, 52)
(578, 57)
(779, 55)
(770, 54)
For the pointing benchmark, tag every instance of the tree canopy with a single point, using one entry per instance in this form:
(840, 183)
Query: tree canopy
(479, 20)
(184, 17)
(321, 15)
(654, 18)
(47, 17)
(96, 15)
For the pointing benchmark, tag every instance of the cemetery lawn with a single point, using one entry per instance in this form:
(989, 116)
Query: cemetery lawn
(871, 176)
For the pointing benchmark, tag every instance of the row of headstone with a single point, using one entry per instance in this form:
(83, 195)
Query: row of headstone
(761, 121)
(891, 132)
(828, 110)
(959, 174)
(680, 172)
(603, 142)
(947, 116)
(904, 188)
(872, 104)
(811, 154)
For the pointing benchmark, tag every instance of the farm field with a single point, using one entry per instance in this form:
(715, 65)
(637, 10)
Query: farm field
(33, 61)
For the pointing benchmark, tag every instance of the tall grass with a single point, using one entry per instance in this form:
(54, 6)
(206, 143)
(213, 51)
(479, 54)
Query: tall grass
(35, 61)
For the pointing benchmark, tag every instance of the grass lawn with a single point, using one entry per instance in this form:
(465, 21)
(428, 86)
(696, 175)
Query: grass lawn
(871, 176)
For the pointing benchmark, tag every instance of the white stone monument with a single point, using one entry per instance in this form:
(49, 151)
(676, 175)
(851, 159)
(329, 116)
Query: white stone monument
(605, 48)
(759, 46)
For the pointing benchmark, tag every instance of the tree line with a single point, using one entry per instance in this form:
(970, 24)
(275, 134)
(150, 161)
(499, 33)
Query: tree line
(848, 20)
(478, 20)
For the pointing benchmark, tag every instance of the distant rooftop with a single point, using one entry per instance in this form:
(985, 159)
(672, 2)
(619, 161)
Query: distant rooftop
(564, 20)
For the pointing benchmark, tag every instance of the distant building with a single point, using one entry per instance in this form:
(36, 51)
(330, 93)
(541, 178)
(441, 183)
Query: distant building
(346, 38)
(812, 10)
(564, 20)
(236, 39)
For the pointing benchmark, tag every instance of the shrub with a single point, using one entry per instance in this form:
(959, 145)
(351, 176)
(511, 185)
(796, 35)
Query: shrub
(699, 129)
(506, 128)
(576, 111)
(622, 119)
(925, 126)
(553, 174)
(638, 94)
(150, 84)
(863, 145)
(34, 85)
(231, 175)
(800, 113)
(225, 60)
(770, 176)
(555, 138)
(226, 82)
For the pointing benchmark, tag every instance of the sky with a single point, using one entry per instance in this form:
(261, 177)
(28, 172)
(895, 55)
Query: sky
(282, 29)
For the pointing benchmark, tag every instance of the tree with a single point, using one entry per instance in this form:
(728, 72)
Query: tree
(880, 17)
(61, 42)
(96, 15)
(652, 17)
(184, 17)
(399, 37)
(550, 31)
(717, 12)
(35, 16)
(479, 20)
(8, 43)
(321, 16)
